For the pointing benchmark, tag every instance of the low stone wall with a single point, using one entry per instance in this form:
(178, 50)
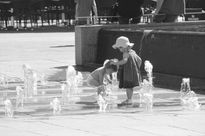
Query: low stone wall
(171, 52)
(86, 37)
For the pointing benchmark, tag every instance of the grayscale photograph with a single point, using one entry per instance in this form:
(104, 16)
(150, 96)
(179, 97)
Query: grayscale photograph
(102, 67)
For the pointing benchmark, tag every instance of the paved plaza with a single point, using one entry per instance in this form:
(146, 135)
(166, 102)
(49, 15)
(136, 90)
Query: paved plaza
(42, 51)
(51, 53)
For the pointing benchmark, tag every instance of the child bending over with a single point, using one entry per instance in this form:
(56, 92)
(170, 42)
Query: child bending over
(99, 77)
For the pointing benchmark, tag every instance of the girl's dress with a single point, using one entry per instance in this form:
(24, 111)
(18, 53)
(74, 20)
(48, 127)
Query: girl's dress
(129, 73)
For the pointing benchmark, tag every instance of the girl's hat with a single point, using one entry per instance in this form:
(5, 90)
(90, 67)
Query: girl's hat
(123, 42)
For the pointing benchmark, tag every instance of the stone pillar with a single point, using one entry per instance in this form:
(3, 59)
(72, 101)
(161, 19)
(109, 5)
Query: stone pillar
(86, 37)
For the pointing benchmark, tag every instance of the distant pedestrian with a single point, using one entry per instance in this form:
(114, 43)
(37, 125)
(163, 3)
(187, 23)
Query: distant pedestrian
(129, 11)
(169, 10)
(129, 71)
(84, 10)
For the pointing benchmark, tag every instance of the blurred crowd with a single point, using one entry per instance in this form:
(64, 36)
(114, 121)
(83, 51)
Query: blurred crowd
(34, 13)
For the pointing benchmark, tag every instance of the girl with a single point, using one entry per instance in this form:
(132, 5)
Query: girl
(101, 75)
(129, 72)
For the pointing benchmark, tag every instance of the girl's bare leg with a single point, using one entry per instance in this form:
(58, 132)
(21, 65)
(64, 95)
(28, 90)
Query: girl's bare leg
(129, 92)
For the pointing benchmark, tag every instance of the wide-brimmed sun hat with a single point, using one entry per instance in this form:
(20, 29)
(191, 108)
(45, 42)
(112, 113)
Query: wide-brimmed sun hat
(123, 42)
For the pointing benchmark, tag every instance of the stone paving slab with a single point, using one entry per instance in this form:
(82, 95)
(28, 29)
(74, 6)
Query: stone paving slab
(121, 123)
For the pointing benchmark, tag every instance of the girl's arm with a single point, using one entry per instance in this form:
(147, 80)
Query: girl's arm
(123, 61)
(101, 77)
(107, 78)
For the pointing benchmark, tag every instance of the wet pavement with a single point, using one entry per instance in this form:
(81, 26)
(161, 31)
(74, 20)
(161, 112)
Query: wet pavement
(51, 53)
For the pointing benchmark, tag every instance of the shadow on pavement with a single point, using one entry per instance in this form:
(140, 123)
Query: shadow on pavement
(62, 46)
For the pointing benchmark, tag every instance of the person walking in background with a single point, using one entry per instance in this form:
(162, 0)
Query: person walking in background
(129, 11)
(129, 68)
(169, 10)
(85, 9)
